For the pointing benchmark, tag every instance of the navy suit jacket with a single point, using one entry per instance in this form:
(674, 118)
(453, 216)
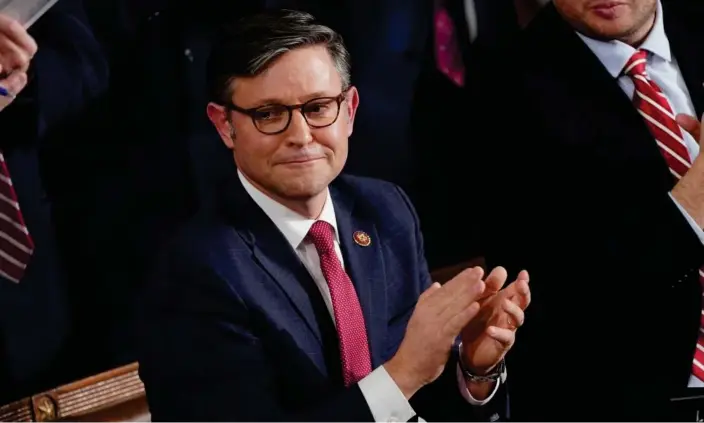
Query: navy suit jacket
(235, 329)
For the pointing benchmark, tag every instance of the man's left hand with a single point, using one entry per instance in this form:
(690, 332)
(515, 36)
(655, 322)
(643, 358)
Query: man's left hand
(491, 334)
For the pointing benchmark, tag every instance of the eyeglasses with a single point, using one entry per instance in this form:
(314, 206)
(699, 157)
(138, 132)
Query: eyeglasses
(274, 119)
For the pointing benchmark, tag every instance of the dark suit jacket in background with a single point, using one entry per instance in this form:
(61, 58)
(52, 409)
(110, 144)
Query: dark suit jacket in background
(440, 121)
(236, 330)
(577, 193)
(42, 142)
(148, 187)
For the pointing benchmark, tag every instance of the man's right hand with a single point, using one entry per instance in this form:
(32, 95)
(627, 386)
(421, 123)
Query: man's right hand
(689, 191)
(440, 315)
(691, 125)
(17, 48)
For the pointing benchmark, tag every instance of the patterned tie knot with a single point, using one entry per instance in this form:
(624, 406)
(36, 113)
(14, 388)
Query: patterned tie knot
(636, 64)
(321, 234)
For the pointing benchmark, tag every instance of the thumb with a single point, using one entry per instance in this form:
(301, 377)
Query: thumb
(691, 125)
(496, 280)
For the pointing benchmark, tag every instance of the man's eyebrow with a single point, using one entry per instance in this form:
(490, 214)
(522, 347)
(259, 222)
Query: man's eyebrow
(266, 102)
(277, 101)
(318, 94)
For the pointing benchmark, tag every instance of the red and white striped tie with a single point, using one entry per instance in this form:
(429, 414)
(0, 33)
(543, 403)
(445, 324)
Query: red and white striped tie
(652, 104)
(16, 245)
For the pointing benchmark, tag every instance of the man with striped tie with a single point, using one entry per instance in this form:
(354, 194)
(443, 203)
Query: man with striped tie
(589, 167)
(38, 135)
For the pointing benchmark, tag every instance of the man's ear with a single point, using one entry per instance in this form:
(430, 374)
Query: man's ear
(220, 119)
(352, 101)
(232, 130)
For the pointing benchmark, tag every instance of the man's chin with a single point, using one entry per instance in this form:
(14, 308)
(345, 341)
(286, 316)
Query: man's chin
(302, 188)
(619, 29)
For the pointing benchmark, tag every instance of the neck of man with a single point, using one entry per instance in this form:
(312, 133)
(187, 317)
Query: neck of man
(309, 207)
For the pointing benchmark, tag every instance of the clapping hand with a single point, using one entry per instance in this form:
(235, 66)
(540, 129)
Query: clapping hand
(691, 125)
(490, 335)
(689, 190)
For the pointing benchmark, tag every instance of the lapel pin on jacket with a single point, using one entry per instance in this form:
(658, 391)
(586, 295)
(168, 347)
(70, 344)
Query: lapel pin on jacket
(361, 238)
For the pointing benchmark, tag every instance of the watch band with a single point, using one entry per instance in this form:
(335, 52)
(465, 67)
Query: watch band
(499, 372)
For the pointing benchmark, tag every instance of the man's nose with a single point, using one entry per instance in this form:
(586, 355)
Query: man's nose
(298, 132)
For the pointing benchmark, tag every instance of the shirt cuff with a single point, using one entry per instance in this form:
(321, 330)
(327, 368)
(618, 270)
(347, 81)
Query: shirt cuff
(385, 400)
(462, 383)
(697, 230)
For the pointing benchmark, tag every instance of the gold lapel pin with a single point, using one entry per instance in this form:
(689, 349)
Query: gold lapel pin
(362, 238)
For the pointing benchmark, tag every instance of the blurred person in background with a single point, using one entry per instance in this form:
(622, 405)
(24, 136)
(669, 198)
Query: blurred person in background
(586, 163)
(41, 166)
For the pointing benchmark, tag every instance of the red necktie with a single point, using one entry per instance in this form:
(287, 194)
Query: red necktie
(16, 246)
(349, 320)
(655, 109)
(447, 52)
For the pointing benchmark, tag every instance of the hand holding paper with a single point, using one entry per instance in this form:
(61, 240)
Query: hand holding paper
(17, 48)
(26, 12)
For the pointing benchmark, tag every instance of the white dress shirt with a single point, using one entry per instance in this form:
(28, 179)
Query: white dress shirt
(663, 69)
(386, 401)
(470, 12)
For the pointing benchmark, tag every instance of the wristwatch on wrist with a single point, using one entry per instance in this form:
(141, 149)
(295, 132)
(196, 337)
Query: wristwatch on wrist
(499, 372)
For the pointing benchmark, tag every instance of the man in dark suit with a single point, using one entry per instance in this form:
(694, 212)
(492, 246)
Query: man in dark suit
(66, 74)
(307, 296)
(587, 163)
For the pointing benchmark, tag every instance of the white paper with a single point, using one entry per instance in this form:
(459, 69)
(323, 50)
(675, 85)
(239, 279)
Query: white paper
(25, 12)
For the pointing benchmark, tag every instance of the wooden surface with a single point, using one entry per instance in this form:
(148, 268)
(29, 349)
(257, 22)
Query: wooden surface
(446, 273)
(135, 410)
(20, 411)
(116, 395)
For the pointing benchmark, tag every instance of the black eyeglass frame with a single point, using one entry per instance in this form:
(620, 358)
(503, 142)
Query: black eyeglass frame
(252, 112)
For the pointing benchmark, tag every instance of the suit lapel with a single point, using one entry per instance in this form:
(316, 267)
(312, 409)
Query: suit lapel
(274, 254)
(277, 258)
(365, 266)
(686, 43)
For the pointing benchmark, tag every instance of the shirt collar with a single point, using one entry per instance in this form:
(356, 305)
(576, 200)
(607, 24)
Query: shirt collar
(292, 225)
(615, 54)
